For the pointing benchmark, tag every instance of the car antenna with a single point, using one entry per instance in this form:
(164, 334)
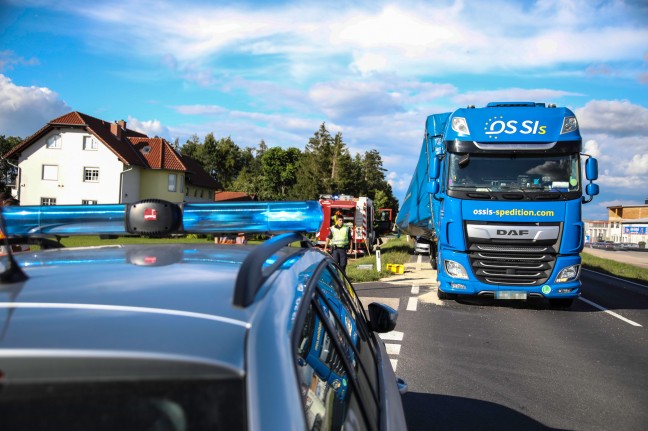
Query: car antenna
(12, 273)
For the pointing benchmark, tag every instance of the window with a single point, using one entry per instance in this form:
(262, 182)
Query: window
(54, 141)
(181, 185)
(91, 175)
(50, 172)
(90, 143)
(505, 172)
(128, 405)
(335, 358)
(48, 201)
(88, 202)
(172, 182)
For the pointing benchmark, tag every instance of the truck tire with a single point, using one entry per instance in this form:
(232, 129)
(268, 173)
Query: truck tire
(561, 302)
(433, 258)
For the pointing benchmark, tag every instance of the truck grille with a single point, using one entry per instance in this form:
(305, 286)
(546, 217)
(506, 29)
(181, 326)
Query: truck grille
(512, 262)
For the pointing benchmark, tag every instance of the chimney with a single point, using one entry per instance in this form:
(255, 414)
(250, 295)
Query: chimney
(116, 128)
(122, 124)
(646, 201)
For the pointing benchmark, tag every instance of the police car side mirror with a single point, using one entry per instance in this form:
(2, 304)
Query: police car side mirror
(382, 317)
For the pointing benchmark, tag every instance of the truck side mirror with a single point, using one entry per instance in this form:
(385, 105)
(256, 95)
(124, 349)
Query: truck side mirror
(434, 168)
(433, 187)
(591, 169)
(592, 189)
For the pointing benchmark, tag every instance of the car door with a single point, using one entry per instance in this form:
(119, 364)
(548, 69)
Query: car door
(335, 357)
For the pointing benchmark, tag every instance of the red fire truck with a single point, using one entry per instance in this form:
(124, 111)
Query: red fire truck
(358, 214)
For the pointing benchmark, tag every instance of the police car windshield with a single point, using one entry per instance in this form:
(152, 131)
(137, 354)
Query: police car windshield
(495, 173)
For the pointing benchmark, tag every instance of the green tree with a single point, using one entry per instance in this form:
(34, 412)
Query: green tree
(314, 174)
(249, 178)
(279, 169)
(193, 148)
(373, 172)
(342, 178)
(8, 171)
(222, 159)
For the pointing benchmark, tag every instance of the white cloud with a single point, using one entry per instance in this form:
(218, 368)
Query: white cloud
(434, 37)
(613, 117)
(199, 109)
(639, 166)
(481, 98)
(8, 60)
(24, 110)
(591, 147)
(149, 127)
(354, 99)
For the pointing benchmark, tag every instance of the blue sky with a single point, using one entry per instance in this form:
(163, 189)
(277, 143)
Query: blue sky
(372, 70)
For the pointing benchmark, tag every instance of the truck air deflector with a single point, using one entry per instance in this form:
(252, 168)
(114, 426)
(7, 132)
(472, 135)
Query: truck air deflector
(552, 147)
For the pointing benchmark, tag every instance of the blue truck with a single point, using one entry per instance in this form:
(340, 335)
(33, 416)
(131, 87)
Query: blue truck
(497, 191)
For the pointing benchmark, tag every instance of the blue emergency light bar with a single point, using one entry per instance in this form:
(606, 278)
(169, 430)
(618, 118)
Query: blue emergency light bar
(158, 217)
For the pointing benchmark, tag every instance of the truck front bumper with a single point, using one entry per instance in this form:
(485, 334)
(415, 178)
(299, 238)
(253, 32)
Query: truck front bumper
(471, 286)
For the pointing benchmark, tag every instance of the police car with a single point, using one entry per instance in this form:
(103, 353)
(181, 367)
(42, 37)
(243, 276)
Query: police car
(185, 336)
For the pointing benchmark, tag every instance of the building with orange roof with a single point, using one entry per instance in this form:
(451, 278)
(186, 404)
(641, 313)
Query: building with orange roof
(79, 159)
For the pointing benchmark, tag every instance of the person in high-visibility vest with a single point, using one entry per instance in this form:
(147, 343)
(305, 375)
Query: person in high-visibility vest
(340, 239)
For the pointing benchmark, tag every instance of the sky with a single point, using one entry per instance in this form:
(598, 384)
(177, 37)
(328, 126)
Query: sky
(372, 70)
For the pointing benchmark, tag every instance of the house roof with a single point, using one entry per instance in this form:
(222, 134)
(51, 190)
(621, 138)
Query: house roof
(99, 128)
(197, 176)
(158, 153)
(130, 147)
(234, 196)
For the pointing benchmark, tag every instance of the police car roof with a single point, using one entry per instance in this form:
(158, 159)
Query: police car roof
(159, 310)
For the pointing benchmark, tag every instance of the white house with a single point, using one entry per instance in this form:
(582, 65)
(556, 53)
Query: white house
(78, 159)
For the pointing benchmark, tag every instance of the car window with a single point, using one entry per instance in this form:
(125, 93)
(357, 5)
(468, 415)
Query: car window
(336, 388)
(124, 406)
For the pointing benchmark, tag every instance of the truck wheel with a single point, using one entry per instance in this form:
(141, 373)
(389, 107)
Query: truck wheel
(433, 257)
(561, 302)
(443, 295)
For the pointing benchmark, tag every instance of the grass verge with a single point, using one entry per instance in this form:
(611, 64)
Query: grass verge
(396, 250)
(88, 241)
(617, 269)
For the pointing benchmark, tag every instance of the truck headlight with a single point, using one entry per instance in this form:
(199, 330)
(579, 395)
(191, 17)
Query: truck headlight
(460, 125)
(455, 270)
(569, 125)
(568, 274)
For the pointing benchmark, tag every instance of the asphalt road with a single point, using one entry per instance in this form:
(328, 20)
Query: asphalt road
(493, 365)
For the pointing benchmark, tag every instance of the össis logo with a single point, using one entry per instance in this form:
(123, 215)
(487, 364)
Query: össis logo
(496, 126)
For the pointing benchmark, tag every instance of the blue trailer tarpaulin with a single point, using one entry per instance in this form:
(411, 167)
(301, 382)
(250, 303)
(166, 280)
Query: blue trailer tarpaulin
(415, 216)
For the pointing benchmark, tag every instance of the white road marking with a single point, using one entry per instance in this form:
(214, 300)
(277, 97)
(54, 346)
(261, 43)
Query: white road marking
(392, 349)
(412, 303)
(392, 336)
(394, 363)
(611, 313)
(415, 290)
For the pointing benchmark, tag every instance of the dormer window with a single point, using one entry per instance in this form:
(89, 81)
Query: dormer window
(146, 149)
(54, 141)
(90, 143)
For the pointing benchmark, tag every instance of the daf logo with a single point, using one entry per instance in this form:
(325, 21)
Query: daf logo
(512, 232)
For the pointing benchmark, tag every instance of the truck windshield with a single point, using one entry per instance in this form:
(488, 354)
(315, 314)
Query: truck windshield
(494, 173)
